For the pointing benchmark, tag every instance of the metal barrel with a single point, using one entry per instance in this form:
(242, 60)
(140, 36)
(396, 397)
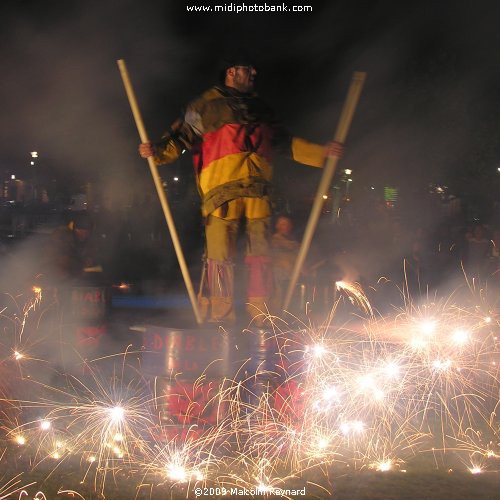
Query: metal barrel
(273, 360)
(267, 352)
(84, 322)
(188, 369)
(184, 354)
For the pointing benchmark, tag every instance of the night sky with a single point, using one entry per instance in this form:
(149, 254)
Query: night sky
(429, 111)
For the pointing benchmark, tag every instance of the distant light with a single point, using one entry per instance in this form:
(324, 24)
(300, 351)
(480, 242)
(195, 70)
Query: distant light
(13, 177)
(183, 151)
(349, 180)
(325, 197)
(32, 162)
(475, 470)
(176, 179)
(371, 187)
(498, 169)
(348, 171)
(34, 154)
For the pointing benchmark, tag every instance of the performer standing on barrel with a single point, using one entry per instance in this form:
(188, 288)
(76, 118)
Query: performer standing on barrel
(233, 134)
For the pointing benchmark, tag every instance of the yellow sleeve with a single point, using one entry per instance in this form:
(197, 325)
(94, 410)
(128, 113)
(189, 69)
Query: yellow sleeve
(307, 152)
(166, 153)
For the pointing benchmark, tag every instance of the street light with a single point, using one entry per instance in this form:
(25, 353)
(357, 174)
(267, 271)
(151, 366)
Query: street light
(34, 154)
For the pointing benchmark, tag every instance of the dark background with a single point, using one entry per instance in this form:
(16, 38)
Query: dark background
(428, 114)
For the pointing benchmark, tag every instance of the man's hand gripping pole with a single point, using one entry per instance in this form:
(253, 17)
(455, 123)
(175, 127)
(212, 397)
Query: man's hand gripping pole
(345, 120)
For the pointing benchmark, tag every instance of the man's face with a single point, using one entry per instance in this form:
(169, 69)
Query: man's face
(284, 226)
(244, 78)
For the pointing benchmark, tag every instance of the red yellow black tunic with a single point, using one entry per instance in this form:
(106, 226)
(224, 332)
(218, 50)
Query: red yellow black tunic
(233, 137)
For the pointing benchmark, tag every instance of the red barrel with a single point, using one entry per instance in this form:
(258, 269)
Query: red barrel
(84, 315)
(188, 403)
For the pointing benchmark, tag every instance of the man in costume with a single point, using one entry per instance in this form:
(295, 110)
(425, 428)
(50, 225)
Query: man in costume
(232, 135)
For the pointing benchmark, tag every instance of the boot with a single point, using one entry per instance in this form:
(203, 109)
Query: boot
(221, 310)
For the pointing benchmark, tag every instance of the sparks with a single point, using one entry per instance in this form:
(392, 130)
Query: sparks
(428, 327)
(117, 413)
(263, 489)
(391, 369)
(318, 350)
(460, 337)
(21, 440)
(439, 365)
(45, 425)
(323, 444)
(475, 470)
(384, 466)
(356, 295)
(355, 426)
(418, 343)
(331, 394)
(176, 473)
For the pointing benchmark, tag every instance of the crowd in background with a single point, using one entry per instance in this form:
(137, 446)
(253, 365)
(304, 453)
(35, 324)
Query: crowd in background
(134, 245)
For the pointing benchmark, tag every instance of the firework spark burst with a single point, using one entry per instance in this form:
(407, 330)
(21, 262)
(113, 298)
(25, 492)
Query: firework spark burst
(372, 394)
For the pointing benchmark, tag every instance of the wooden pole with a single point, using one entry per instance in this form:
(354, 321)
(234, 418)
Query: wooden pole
(345, 120)
(159, 188)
